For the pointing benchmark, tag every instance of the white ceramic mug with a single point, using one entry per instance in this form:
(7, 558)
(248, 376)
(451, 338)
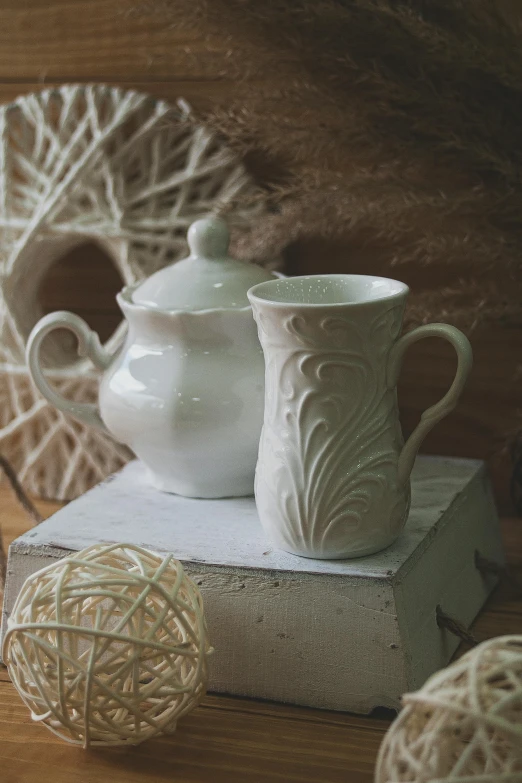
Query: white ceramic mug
(333, 472)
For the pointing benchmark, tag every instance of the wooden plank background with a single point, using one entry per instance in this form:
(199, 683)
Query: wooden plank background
(47, 42)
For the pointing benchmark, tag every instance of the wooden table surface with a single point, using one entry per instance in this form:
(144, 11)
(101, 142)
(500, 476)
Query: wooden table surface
(225, 739)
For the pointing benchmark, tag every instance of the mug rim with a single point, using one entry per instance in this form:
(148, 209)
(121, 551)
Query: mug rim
(254, 292)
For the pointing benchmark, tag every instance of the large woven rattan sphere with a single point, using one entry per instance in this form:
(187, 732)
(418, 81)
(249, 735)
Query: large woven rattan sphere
(109, 646)
(114, 177)
(464, 724)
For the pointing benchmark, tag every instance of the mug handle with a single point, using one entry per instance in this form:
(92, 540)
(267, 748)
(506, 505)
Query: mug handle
(436, 412)
(88, 345)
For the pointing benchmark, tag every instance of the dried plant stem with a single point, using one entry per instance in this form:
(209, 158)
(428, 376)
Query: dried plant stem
(3, 563)
(455, 627)
(26, 504)
(394, 120)
(17, 488)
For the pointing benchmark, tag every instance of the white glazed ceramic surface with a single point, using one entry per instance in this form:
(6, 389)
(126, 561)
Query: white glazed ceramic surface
(186, 394)
(207, 279)
(332, 477)
(186, 390)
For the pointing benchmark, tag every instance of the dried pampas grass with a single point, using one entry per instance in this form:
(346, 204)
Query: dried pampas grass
(396, 121)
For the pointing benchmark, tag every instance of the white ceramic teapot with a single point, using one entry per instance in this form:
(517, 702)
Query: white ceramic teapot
(186, 390)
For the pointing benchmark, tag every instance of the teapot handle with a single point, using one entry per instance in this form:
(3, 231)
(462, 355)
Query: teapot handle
(88, 345)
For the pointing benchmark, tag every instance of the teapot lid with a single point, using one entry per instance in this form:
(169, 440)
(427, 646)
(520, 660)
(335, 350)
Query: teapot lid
(207, 279)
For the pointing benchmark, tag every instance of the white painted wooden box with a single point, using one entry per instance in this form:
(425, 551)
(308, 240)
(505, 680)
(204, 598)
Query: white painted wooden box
(342, 635)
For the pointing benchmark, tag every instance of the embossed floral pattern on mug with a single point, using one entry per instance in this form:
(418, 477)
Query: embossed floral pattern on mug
(332, 477)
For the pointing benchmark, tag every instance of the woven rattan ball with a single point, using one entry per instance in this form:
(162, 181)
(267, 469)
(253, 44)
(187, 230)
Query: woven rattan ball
(109, 646)
(464, 724)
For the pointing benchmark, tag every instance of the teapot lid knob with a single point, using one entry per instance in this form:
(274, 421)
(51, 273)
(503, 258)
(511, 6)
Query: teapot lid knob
(209, 238)
(207, 280)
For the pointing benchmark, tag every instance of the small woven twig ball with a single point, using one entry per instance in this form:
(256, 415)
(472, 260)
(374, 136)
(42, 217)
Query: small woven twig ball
(109, 646)
(464, 725)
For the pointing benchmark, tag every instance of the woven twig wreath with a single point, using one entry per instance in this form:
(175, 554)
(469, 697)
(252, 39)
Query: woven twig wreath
(464, 724)
(101, 164)
(109, 646)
